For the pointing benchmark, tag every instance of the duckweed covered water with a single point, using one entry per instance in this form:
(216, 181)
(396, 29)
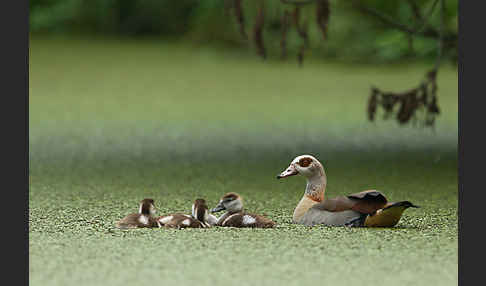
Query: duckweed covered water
(114, 122)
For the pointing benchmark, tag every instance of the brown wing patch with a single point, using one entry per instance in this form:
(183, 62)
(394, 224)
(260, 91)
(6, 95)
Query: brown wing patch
(337, 204)
(233, 220)
(305, 162)
(263, 222)
(368, 202)
(222, 219)
(370, 194)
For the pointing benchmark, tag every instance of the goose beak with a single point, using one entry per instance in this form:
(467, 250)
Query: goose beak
(218, 208)
(290, 171)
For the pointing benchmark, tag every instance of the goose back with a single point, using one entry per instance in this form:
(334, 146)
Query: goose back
(244, 219)
(137, 221)
(180, 221)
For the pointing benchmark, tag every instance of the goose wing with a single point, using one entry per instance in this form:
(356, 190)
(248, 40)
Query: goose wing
(367, 202)
(389, 215)
(343, 210)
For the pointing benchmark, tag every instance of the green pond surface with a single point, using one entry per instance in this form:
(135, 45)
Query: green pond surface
(114, 121)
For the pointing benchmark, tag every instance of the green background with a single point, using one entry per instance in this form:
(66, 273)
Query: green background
(352, 35)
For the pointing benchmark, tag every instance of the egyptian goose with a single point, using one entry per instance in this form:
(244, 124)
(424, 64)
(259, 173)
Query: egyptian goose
(367, 208)
(236, 217)
(200, 217)
(141, 219)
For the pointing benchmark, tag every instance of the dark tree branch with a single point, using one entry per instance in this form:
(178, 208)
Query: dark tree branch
(449, 39)
(383, 18)
(228, 5)
(440, 48)
(301, 28)
(240, 18)
(415, 9)
(422, 97)
(298, 3)
(427, 17)
(285, 22)
(302, 32)
(323, 12)
(258, 32)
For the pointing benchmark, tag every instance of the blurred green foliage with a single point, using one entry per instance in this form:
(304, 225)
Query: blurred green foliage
(352, 35)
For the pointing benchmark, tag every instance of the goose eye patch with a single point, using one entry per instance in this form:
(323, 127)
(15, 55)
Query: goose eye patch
(305, 162)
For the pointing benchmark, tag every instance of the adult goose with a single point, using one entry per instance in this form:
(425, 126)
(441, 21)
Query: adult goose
(368, 208)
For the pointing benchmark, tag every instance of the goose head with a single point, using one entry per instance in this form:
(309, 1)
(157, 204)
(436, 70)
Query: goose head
(305, 165)
(147, 207)
(200, 210)
(231, 202)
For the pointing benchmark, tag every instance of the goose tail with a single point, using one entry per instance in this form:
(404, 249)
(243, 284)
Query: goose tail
(404, 204)
(389, 215)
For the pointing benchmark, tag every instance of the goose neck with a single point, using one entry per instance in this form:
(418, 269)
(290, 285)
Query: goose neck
(316, 187)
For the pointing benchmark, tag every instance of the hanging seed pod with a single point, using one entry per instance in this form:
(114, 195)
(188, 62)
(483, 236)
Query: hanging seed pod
(323, 12)
(228, 5)
(258, 32)
(296, 15)
(432, 75)
(285, 24)
(239, 17)
(424, 96)
(388, 101)
(302, 32)
(300, 55)
(429, 120)
(405, 112)
(433, 108)
(372, 104)
(301, 28)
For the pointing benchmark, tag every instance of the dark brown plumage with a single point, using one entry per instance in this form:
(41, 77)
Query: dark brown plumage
(178, 220)
(236, 216)
(244, 219)
(198, 219)
(141, 219)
